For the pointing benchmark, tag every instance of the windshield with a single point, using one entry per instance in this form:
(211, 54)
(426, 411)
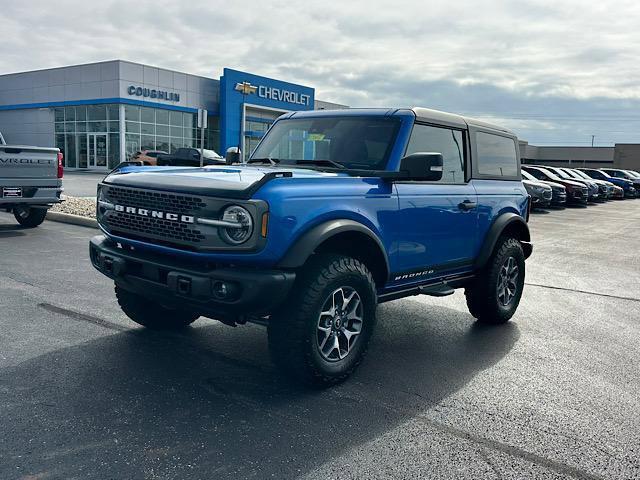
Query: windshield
(572, 174)
(353, 142)
(528, 176)
(581, 174)
(633, 174)
(562, 174)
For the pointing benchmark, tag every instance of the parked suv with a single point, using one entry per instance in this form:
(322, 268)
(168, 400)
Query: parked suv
(541, 194)
(605, 188)
(619, 173)
(593, 192)
(626, 185)
(558, 192)
(335, 212)
(577, 193)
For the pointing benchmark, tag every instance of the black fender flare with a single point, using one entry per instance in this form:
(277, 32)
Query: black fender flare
(307, 243)
(506, 221)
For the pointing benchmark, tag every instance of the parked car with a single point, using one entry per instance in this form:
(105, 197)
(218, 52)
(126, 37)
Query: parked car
(541, 194)
(577, 193)
(30, 181)
(606, 188)
(558, 192)
(618, 193)
(593, 190)
(148, 157)
(619, 173)
(626, 185)
(385, 204)
(189, 157)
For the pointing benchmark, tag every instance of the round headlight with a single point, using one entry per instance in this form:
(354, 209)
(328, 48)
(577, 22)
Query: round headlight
(241, 233)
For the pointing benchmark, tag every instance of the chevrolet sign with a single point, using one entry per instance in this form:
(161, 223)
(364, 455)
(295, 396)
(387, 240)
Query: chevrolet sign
(272, 93)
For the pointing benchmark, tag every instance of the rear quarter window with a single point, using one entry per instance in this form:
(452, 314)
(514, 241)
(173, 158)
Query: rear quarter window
(497, 155)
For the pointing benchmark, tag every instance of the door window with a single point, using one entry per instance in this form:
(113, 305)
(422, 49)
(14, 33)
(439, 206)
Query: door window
(497, 155)
(448, 142)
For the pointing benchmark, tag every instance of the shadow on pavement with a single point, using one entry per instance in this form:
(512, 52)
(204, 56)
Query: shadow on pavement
(208, 403)
(9, 231)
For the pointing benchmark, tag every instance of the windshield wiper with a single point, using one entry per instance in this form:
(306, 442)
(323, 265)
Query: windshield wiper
(330, 163)
(269, 160)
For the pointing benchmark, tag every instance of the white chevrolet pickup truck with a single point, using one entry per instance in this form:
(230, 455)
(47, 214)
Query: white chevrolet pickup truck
(30, 181)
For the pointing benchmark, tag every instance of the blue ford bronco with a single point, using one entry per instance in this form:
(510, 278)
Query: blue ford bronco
(334, 212)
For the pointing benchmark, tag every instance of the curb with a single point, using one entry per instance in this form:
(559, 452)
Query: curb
(72, 219)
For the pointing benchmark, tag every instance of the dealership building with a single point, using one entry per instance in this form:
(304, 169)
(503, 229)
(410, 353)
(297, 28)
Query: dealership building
(99, 114)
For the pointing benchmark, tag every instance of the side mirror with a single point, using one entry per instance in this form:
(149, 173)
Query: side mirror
(232, 155)
(425, 166)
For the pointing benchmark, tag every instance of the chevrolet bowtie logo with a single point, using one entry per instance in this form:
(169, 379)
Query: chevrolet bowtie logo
(246, 88)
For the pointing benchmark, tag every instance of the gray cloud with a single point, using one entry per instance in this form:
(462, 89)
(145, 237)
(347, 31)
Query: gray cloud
(553, 71)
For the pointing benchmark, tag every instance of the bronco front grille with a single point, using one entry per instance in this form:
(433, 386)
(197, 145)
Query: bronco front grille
(170, 230)
(127, 221)
(166, 202)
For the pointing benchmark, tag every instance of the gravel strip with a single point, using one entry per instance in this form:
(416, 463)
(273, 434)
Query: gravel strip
(85, 207)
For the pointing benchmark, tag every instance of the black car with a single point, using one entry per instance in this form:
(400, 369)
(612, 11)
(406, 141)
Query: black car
(606, 188)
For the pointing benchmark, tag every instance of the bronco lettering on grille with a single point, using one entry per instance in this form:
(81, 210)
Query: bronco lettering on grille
(144, 212)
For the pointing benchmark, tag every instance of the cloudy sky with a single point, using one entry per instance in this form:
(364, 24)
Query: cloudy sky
(556, 72)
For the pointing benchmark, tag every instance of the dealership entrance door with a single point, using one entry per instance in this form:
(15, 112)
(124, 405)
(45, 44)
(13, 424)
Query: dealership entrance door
(97, 150)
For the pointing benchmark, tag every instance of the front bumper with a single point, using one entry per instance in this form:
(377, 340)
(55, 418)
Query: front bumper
(192, 285)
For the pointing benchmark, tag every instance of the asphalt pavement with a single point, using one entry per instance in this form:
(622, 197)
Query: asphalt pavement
(85, 393)
(79, 183)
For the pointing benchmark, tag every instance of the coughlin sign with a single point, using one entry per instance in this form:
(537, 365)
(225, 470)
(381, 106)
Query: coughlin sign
(153, 93)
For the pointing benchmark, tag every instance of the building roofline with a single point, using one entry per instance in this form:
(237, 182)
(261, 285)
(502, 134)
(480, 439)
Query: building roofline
(104, 62)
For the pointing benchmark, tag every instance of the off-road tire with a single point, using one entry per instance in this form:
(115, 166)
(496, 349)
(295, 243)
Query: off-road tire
(152, 315)
(35, 217)
(293, 331)
(482, 294)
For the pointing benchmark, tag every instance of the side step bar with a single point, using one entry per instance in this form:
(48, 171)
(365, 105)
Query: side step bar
(437, 289)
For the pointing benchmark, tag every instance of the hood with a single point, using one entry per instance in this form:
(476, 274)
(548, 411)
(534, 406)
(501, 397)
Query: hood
(531, 183)
(573, 183)
(553, 184)
(232, 181)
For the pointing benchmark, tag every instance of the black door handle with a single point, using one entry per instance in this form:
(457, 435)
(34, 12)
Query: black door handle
(467, 205)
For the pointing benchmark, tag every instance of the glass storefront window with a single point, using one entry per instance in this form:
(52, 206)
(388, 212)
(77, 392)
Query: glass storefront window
(147, 142)
(59, 127)
(58, 113)
(147, 129)
(81, 126)
(97, 126)
(131, 145)
(131, 112)
(70, 127)
(162, 117)
(189, 120)
(97, 112)
(147, 115)
(133, 127)
(70, 114)
(162, 130)
(114, 150)
(176, 143)
(114, 126)
(162, 143)
(113, 112)
(81, 113)
(175, 118)
(177, 132)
